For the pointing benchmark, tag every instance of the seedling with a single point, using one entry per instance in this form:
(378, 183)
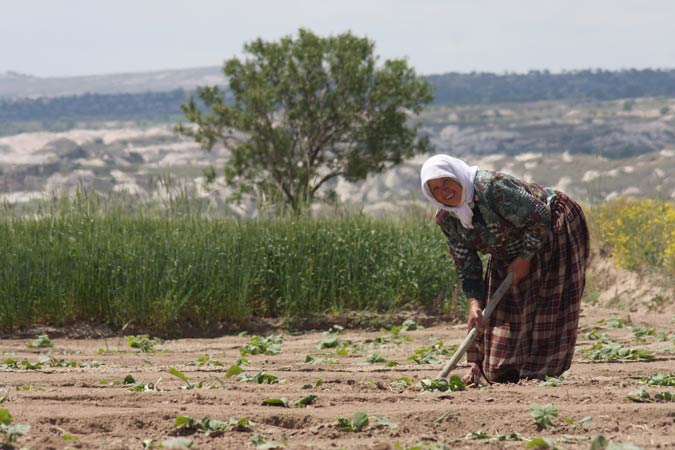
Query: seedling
(190, 425)
(410, 325)
(540, 443)
(309, 359)
(41, 341)
(553, 381)
(12, 364)
(260, 377)
(259, 345)
(613, 351)
(188, 381)
(283, 402)
(305, 401)
(143, 343)
(543, 414)
(358, 422)
(331, 341)
(583, 422)
(481, 435)
(660, 379)
(454, 383)
(642, 396)
(11, 432)
(639, 333)
(205, 361)
(402, 382)
(614, 322)
(596, 335)
(601, 443)
(429, 355)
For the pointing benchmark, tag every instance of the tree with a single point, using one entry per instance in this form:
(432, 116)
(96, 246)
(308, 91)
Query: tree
(307, 110)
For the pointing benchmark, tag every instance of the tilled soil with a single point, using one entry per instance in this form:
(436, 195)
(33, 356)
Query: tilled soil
(90, 408)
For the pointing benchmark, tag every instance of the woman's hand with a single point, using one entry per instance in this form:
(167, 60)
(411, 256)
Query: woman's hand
(520, 268)
(476, 315)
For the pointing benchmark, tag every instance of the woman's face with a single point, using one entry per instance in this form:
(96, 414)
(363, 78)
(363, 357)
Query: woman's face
(446, 191)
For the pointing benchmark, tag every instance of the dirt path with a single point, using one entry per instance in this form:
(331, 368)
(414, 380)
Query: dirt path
(77, 407)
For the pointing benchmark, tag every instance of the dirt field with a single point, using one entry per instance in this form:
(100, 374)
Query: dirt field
(88, 407)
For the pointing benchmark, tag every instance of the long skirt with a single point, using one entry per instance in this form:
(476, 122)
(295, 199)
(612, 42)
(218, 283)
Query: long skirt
(533, 330)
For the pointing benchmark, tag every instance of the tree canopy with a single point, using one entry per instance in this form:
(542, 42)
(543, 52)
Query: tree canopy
(309, 109)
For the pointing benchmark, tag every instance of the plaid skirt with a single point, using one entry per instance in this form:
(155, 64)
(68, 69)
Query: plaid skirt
(533, 330)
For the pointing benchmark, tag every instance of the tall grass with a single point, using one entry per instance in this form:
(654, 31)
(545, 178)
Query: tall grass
(92, 259)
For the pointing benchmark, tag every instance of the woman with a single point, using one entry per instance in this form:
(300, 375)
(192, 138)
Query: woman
(537, 233)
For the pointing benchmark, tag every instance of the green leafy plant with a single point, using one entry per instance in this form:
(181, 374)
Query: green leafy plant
(614, 351)
(41, 341)
(358, 422)
(553, 381)
(596, 335)
(540, 443)
(453, 383)
(205, 361)
(11, 432)
(481, 435)
(543, 414)
(309, 359)
(643, 396)
(331, 341)
(581, 423)
(306, 401)
(189, 425)
(188, 381)
(430, 354)
(660, 379)
(272, 401)
(601, 443)
(259, 377)
(143, 343)
(639, 333)
(258, 345)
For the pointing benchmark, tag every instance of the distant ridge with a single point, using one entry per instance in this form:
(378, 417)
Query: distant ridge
(15, 85)
(449, 89)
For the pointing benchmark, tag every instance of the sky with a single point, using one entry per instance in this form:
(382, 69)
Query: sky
(49, 38)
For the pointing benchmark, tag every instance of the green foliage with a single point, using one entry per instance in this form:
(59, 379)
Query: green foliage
(42, 341)
(11, 432)
(356, 424)
(553, 381)
(143, 343)
(453, 383)
(259, 377)
(643, 396)
(305, 401)
(309, 359)
(311, 109)
(430, 354)
(660, 379)
(86, 261)
(613, 351)
(540, 443)
(205, 361)
(481, 435)
(601, 443)
(272, 401)
(258, 345)
(543, 414)
(189, 425)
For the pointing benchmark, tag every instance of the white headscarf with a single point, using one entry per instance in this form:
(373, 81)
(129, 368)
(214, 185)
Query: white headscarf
(444, 166)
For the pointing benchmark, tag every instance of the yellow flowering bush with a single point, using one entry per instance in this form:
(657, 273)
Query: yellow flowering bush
(637, 232)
